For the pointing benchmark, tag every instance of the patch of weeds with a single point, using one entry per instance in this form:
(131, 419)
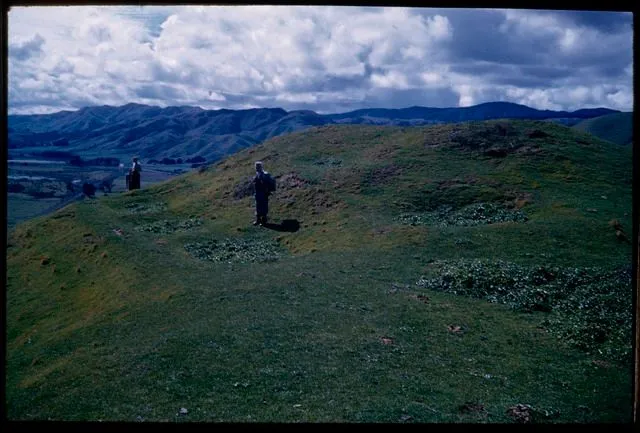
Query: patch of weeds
(291, 180)
(235, 250)
(330, 161)
(495, 138)
(144, 208)
(380, 175)
(470, 215)
(464, 242)
(166, 226)
(590, 308)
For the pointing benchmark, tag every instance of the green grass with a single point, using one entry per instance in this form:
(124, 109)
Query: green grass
(21, 207)
(163, 314)
(616, 127)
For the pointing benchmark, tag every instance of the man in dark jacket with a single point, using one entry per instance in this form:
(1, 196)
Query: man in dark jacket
(262, 189)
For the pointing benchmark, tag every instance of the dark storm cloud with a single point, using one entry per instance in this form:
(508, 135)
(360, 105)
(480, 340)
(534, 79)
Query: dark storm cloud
(538, 49)
(527, 76)
(27, 49)
(611, 22)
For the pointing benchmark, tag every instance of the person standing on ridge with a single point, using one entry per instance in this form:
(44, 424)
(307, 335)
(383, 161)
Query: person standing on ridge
(264, 185)
(134, 175)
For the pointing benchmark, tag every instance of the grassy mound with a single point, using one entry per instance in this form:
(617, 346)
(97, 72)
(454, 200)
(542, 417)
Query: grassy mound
(591, 306)
(616, 127)
(124, 308)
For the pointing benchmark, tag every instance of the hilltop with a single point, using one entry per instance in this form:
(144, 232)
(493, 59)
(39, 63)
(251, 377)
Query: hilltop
(614, 127)
(439, 273)
(186, 132)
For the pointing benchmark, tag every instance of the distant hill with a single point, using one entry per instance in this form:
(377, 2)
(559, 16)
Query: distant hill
(486, 111)
(186, 132)
(614, 127)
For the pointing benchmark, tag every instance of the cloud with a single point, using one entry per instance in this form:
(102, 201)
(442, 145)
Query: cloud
(322, 58)
(23, 50)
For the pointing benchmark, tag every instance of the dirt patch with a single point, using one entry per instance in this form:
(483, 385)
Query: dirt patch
(455, 329)
(291, 181)
(496, 139)
(243, 189)
(318, 200)
(470, 407)
(421, 298)
(521, 413)
(522, 199)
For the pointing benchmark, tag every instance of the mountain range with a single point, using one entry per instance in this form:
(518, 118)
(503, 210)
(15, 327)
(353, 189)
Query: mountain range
(186, 132)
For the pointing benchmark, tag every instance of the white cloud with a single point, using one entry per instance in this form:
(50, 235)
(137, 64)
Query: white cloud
(392, 79)
(318, 57)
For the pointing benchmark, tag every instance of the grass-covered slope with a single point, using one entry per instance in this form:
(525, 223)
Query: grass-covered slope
(616, 127)
(365, 300)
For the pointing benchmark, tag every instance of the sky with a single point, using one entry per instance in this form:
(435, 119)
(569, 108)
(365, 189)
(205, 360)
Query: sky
(328, 59)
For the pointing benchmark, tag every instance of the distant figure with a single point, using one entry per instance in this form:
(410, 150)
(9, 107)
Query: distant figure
(88, 189)
(134, 175)
(264, 185)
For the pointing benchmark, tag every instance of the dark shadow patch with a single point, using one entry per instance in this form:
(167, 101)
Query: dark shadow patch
(498, 152)
(284, 226)
(470, 407)
(538, 134)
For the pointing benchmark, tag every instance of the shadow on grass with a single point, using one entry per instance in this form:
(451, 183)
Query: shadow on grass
(284, 226)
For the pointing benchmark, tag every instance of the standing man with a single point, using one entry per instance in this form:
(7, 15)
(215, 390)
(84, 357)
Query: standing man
(264, 185)
(134, 175)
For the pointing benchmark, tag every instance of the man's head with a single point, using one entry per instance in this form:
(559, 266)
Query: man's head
(259, 166)
(135, 159)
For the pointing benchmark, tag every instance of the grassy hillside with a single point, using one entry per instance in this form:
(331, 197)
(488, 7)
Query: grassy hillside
(432, 274)
(616, 127)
